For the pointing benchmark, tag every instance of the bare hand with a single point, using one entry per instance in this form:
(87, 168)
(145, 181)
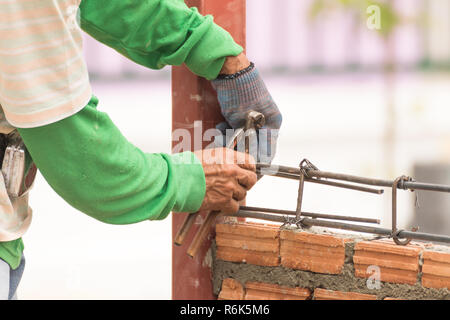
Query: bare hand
(233, 65)
(229, 175)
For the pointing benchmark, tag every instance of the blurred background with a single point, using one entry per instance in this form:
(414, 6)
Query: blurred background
(355, 100)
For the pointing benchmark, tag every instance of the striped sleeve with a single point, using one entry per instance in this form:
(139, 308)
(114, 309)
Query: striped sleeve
(43, 76)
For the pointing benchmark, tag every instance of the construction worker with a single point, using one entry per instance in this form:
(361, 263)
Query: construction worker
(46, 96)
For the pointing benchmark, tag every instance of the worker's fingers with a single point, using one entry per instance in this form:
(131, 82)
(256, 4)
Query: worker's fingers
(231, 208)
(226, 156)
(239, 193)
(246, 178)
(244, 160)
(229, 175)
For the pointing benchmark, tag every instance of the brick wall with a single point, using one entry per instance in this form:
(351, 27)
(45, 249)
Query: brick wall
(258, 261)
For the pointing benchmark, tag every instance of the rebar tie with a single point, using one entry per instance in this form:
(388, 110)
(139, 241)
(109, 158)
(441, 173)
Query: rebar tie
(305, 166)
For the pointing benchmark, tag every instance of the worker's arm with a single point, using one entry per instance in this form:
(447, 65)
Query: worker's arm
(156, 33)
(88, 162)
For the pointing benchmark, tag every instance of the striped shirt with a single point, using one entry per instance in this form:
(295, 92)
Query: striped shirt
(43, 79)
(43, 76)
(15, 214)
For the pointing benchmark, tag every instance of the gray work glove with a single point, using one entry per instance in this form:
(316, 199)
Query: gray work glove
(240, 93)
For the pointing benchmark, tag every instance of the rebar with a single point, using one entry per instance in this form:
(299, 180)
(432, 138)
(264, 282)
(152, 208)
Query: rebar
(309, 214)
(311, 173)
(323, 182)
(394, 231)
(301, 184)
(346, 226)
(411, 185)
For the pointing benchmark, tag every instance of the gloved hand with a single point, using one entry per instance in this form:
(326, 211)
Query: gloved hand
(245, 91)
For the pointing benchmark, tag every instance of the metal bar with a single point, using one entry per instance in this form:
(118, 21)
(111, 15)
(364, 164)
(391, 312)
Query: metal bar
(202, 233)
(427, 186)
(345, 186)
(185, 227)
(394, 205)
(394, 231)
(310, 214)
(423, 236)
(347, 226)
(324, 182)
(301, 186)
(412, 185)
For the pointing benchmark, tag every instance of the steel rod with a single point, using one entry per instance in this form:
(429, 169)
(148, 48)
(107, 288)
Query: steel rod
(185, 227)
(423, 236)
(394, 230)
(301, 185)
(309, 214)
(324, 182)
(202, 233)
(347, 226)
(412, 185)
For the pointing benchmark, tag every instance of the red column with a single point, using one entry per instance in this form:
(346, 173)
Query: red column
(193, 99)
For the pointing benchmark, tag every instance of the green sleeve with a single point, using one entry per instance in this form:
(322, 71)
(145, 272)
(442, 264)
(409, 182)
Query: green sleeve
(89, 163)
(156, 33)
(11, 252)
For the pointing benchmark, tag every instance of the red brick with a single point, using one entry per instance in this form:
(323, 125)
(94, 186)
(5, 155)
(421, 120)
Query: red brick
(248, 243)
(443, 257)
(322, 294)
(263, 224)
(266, 291)
(246, 256)
(249, 230)
(312, 238)
(436, 270)
(231, 290)
(398, 264)
(312, 252)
